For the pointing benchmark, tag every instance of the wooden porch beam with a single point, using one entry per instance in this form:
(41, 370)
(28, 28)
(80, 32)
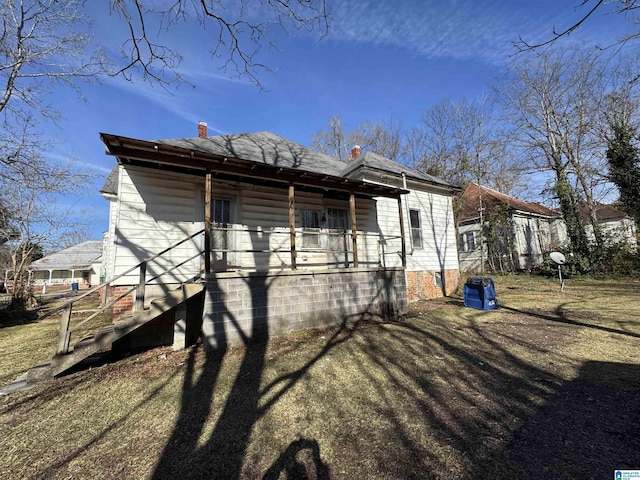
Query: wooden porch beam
(292, 225)
(354, 230)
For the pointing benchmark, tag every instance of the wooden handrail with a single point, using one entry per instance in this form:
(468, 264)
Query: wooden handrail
(64, 338)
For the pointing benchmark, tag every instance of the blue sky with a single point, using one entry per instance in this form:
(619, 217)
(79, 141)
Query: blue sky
(382, 61)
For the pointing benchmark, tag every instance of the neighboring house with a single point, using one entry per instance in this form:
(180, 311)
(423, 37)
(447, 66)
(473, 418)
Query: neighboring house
(298, 239)
(80, 263)
(516, 234)
(616, 226)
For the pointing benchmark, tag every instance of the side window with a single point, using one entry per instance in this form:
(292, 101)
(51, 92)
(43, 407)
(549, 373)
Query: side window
(310, 223)
(467, 241)
(416, 228)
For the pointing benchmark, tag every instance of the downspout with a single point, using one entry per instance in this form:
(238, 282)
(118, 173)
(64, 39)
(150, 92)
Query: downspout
(406, 207)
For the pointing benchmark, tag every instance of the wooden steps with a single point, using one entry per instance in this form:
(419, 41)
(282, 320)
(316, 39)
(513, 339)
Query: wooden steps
(103, 340)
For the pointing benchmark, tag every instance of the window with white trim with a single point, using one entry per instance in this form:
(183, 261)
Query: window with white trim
(416, 228)
(310, 223)
(467, 241)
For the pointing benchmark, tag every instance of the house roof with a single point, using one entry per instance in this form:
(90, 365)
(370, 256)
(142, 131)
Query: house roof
(469, 203)
(78, 257)
(260, 156)
(263, 147)
(373, 161)
(604, 213)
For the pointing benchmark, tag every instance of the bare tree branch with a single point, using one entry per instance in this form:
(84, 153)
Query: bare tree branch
(626, 7)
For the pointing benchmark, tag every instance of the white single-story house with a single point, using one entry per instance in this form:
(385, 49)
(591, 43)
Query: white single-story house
(296, 238)
(516, 234)
(80, 263)
(616, 226)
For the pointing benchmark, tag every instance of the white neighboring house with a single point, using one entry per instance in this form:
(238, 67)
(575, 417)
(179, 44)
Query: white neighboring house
(616, 226)
(80, 263)
(516, 236)
(298, 238)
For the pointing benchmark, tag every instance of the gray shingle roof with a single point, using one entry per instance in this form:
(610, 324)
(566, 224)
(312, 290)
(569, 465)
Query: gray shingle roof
(271, 149)
(378, 162)
(111, 182)
(78, 257)
(263, 147)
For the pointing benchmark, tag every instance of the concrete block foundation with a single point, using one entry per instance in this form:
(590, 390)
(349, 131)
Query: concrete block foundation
(241, 307)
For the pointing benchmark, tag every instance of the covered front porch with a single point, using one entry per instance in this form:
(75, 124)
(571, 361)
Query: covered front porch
(282, 249)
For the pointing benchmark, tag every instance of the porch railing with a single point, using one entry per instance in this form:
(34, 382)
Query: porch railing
(64, 338)
(66, 330)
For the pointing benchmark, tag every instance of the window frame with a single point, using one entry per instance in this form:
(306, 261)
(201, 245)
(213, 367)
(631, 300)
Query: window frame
(416, 231)
(311, 234)
(465, 238)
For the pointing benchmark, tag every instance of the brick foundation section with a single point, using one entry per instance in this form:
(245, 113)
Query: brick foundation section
(124, 306)
(245, 307)
(422, 285)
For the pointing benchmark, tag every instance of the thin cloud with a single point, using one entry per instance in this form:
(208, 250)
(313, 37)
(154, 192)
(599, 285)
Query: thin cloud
(459, 30)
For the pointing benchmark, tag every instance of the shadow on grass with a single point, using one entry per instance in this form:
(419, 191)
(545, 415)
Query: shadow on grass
(587, 429)
(561, 317)
(290, 463)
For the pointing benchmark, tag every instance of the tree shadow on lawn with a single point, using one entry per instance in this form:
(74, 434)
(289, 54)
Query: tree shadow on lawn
(506, 417)
(487, 413)
(222, 453)
(586, 430)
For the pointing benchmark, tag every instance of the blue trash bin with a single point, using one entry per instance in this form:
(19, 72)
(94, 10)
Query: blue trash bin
(74, 286)
(480, 293)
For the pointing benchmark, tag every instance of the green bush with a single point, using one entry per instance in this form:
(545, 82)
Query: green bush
(614, 260)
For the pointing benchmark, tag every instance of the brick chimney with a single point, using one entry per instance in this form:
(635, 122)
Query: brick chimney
(355, 152)
(202, 129)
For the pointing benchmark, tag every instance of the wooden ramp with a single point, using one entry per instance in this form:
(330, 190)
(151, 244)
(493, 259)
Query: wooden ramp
(181, 314)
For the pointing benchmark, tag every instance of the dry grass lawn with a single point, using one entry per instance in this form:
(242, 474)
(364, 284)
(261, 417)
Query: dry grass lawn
(544, 387)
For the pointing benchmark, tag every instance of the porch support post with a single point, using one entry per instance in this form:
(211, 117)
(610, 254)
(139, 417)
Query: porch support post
(354, 236)
(292, 225)
(402, 238)
(207, 223)
(50, 276)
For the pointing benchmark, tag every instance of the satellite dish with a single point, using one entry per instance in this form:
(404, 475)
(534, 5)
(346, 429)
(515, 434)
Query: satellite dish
(558, 258)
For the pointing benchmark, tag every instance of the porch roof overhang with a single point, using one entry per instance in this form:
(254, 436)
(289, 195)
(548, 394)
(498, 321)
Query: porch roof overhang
(161, 155)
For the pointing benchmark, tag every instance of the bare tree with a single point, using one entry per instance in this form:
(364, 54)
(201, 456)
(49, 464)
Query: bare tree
(44, 42)
(553, 103)
(240, 29)
(29, 214)
(332, 141)
(382, 139)
(462, 142)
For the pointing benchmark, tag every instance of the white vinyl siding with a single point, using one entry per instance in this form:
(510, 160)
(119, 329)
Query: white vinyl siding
(439, 243)
(155, 210)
